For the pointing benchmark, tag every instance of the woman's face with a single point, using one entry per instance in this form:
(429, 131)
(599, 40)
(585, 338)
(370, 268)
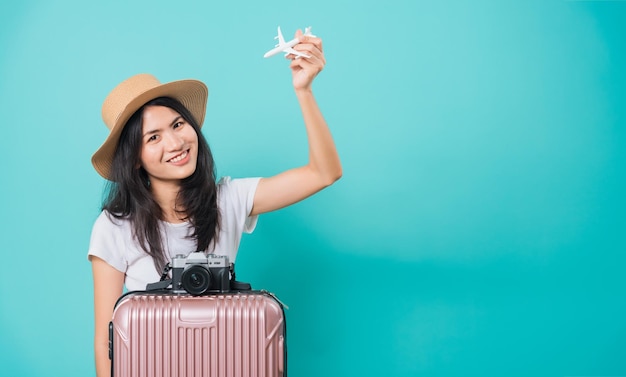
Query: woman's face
(169, 145)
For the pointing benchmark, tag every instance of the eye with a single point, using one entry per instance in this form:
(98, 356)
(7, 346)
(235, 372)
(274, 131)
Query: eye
(178, 124)
(152, 138)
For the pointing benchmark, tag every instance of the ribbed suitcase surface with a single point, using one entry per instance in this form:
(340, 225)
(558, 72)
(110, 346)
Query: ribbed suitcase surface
(225, 335)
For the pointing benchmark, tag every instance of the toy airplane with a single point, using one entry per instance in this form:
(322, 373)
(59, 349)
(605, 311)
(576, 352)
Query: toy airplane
(286, 47)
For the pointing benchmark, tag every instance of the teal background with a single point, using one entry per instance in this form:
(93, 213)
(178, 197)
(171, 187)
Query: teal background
(479, 226)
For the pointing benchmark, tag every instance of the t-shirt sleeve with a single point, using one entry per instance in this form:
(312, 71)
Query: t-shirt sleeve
(239, 193)
(107, 243)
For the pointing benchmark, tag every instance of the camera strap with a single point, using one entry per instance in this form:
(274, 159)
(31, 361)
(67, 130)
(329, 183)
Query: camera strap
(166, 271)
(163, 283)
(237, 285)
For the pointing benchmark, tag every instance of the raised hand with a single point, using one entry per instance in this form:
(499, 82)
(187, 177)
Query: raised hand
(303, 69)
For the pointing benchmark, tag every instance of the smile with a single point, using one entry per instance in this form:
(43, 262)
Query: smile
(180, 157)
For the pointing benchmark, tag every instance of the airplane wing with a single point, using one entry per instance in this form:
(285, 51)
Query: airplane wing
(287, 46)
(295, 52)
(281, 40)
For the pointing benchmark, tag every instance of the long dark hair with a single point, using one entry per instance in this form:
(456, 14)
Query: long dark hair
(129, 196)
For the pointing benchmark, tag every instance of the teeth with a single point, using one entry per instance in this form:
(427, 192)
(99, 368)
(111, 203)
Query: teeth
(179, 157)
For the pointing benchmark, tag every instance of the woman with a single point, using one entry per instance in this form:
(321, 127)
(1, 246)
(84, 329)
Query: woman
(163, 199)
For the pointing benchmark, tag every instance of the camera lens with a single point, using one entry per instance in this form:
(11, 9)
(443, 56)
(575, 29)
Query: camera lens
(196, 280)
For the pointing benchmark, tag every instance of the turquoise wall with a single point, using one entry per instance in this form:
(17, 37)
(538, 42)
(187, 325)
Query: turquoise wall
(479, 226)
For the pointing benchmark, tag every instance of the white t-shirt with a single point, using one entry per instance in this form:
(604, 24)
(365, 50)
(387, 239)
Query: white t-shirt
(112, 240)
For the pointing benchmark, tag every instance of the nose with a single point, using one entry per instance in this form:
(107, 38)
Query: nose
(174, 142)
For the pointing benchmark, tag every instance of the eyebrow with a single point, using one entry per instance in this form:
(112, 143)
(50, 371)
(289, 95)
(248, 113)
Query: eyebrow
(173, 122)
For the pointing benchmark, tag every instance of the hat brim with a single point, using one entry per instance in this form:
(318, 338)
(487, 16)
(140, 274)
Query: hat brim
(192, 94)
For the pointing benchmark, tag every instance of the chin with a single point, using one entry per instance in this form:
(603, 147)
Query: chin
(188, 174)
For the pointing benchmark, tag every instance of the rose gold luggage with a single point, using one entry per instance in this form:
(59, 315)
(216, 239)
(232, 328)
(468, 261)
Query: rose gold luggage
(222, 334)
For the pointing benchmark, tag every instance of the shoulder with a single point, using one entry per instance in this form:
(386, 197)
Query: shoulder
(108, 223)
(110, 240)
(230, 183)
(236, 195)
(235, 199)
(228, 187)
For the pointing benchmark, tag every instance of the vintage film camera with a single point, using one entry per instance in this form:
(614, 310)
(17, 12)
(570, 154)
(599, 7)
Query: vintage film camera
(198, 273)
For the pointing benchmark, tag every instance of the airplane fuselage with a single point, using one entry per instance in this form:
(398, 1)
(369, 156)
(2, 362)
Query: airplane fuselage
(281, 48)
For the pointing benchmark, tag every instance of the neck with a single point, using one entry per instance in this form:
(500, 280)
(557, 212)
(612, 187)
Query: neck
(165, 194)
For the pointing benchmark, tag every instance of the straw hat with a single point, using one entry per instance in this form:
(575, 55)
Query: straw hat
(129, 96)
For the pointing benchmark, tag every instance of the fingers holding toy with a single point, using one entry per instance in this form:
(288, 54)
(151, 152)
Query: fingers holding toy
(304, 68)
(309, 45)
(306, 54)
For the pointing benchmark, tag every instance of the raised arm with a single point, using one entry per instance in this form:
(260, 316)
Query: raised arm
(324, 166)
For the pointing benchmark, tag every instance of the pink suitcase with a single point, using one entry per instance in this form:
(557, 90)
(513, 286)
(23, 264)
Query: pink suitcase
(232, 334)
